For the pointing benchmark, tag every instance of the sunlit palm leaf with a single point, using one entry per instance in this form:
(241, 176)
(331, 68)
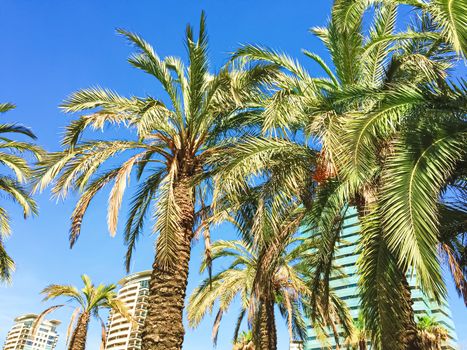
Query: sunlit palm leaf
(167, 217)
(410, 203)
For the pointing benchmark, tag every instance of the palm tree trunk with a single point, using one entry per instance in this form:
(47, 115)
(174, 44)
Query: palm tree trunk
(78, 338)
(267, 326)
(335, 332)
(409, 336)
(163, 328)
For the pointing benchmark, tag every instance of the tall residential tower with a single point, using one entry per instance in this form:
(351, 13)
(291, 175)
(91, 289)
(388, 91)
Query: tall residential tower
(134, 291)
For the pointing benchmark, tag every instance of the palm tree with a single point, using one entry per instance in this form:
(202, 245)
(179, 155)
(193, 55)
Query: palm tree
(13, 182)
(175, 138)
(431, 333)
(394, 152)
(269, 269)
(245, 342)
(90, 300)
(391, 130)
(238, 279)
(358, 340)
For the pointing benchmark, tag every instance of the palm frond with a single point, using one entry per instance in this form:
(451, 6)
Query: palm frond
(376, 52)
(116, 194)
(40, 318)
(140, 204)
(409, 203)
(22, 147)
(323, 65)
(380, 284)
(259, 53)
(451, 17)
(253, 157)
(83, 203)
(197, 70)
(118, 306)
(53, 291)
(5, 107)
(359, 151)
(17, 129)
(17, 164)
(238, 324)
(5, 229)
(71, 325)
(7, 265)
(95, 97)
(167, 223)
(103, 334)
(147, 60)
(19, 194)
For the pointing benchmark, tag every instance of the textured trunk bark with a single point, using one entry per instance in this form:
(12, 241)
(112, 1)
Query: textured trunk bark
(267, 326)
(335, 332)
(78, 338)
(362, 344)
(163, 328)
(409, 336)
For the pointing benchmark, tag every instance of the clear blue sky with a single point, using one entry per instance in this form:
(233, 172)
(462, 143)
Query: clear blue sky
(51, 48)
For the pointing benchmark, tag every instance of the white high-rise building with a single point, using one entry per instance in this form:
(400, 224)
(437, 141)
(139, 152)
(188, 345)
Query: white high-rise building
(20, 338)
(134, 293)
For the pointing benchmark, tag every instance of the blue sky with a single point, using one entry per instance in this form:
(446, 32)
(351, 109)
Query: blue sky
(52, 48)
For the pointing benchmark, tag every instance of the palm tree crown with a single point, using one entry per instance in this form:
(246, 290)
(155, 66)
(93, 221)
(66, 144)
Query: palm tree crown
(245, 342)
(432, 334)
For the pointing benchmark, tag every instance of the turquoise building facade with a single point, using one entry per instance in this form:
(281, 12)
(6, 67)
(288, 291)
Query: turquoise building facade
(346, 288)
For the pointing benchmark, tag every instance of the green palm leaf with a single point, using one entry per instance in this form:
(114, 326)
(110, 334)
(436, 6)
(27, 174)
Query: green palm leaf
(410, 203)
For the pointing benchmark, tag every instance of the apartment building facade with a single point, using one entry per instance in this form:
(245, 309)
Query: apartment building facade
(121, 335)
(20, 338)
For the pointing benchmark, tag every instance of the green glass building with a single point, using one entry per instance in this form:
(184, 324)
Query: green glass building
(346, 288)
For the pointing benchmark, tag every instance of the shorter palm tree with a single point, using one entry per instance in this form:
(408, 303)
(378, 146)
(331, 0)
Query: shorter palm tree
(238, 279)
(291, 293)
(245, 342)
(271, 268)
(431, 333)
(359, 337)
(90, 300)
(13, 186)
